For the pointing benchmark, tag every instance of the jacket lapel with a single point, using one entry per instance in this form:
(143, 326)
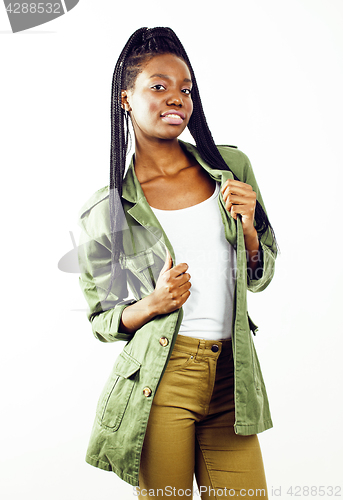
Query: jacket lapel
(142, 213)
(220, 176)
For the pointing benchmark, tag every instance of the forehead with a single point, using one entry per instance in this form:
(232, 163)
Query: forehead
(168, 65)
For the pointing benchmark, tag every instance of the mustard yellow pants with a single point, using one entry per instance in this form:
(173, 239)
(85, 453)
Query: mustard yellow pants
(190, 430)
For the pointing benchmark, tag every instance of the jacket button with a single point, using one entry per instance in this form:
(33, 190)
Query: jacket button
(147, 392)
(215, 348)
(164, 342)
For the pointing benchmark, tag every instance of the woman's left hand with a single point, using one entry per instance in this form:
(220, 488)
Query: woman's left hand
(240, 199)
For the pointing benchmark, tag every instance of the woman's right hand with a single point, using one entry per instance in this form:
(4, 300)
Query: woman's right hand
(171, 292)
(172, 287)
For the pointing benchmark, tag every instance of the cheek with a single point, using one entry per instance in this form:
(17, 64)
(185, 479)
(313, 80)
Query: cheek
(153, 106)
(189, 107)
(188, 104)
(148, 111)
(143, 105)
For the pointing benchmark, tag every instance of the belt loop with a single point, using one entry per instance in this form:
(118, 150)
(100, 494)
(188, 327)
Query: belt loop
(202, 345)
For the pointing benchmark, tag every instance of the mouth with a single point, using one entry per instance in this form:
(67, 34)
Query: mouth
(173, 117)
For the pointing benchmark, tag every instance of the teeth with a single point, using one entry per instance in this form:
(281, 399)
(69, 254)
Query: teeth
(173, 116)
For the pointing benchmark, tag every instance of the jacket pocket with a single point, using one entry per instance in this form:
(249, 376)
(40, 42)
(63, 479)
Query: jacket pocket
(116, 394)
(142, 265)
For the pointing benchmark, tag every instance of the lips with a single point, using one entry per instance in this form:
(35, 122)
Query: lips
(173, 117)
(174, 112)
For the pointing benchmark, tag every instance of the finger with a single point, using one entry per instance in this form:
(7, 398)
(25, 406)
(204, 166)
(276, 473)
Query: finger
(184, 297)
(185, 287)
(233, 212)
(242, 210)
(235, 199)
(229, 182)
(247, 202)
(228, 186)
(244, 191)
(168, 264)
(235, 187)
(179, 269)
(234, 184)
(182, 278)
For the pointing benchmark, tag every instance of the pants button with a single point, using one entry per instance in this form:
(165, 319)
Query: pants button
(215, 348)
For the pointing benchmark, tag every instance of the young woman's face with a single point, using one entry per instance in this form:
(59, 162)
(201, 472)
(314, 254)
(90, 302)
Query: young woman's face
(160, 103)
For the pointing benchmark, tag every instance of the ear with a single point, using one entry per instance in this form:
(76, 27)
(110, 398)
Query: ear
(124, 102)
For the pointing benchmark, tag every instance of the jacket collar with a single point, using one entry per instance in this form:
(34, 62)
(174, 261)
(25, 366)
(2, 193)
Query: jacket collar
(141, 210)
(132, 190)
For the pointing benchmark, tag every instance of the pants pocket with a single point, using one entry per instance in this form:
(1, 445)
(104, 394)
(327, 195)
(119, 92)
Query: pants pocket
(179, 360)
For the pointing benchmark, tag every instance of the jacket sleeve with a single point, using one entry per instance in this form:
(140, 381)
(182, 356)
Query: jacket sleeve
(95, 267)
(267, 245)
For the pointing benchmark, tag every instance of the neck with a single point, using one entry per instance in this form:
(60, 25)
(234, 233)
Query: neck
(161, 157)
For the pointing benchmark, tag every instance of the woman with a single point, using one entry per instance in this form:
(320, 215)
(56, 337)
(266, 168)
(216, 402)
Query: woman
(187, 233)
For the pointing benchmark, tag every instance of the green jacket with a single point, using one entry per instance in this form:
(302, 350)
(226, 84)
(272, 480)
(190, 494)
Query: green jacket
(124, 405)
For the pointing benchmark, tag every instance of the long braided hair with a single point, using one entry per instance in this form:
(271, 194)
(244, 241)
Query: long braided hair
(143, 45)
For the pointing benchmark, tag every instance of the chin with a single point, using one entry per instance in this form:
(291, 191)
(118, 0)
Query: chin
(173, 134)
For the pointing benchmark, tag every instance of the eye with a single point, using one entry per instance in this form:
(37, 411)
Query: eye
(187, 91)
(159, 86)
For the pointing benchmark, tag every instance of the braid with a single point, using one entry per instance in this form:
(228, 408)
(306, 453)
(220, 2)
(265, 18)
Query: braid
(119, 142)
(142, 46)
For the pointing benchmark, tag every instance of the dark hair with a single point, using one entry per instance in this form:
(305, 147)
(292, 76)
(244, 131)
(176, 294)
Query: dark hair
(143, 45)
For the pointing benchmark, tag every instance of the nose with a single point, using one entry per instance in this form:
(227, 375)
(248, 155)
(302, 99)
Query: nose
(175, 101)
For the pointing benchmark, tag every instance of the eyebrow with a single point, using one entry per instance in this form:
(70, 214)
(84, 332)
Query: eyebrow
(159, 75)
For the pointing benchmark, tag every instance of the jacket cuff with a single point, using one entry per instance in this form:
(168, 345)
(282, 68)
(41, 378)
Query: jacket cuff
(267, 270)
(105, 325)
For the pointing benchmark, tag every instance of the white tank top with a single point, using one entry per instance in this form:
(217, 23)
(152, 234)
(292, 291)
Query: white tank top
(197, 236)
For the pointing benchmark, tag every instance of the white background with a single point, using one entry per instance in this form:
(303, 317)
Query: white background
(271, 77)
